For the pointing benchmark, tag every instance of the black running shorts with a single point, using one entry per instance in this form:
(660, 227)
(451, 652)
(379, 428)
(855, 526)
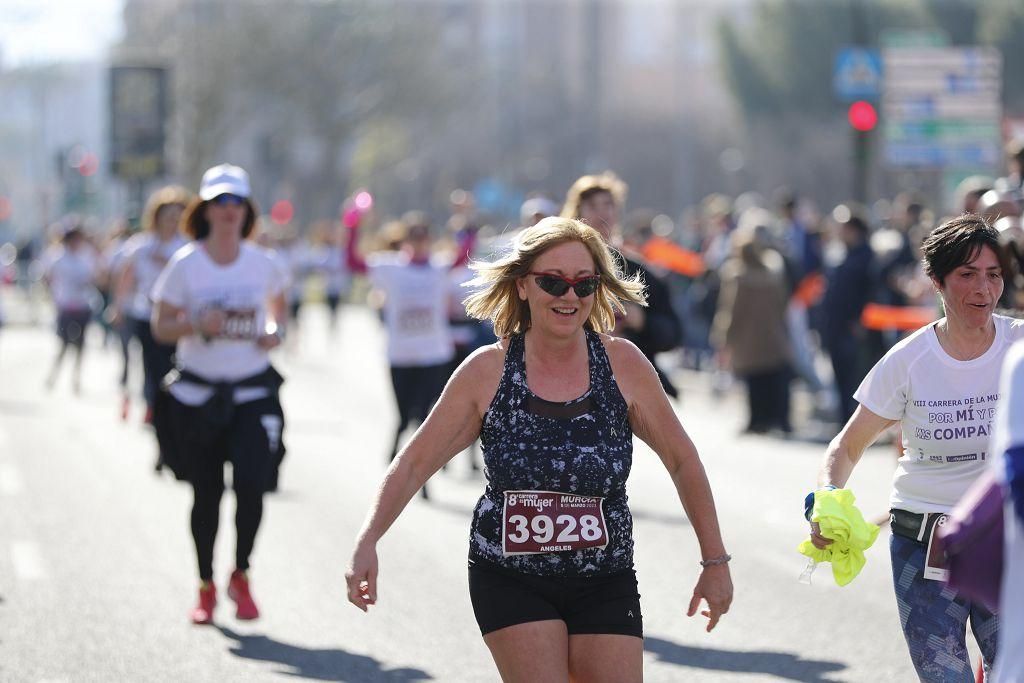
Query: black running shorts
(588, 605)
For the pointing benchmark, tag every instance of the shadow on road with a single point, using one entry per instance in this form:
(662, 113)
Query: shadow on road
(783, 665)
(320, 665)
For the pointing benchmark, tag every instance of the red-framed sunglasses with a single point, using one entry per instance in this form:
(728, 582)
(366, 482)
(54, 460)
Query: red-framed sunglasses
(556, 285)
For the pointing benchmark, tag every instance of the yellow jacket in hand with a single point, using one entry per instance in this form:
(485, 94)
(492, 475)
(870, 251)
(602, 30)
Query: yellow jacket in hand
(841, 521)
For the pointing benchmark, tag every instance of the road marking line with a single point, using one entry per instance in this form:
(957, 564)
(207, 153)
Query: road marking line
(10, 480)
(27, 561)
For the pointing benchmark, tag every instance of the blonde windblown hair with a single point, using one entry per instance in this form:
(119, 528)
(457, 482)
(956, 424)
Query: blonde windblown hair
(495, 297)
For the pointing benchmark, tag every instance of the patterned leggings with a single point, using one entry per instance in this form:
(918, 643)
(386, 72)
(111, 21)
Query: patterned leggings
(934, 619)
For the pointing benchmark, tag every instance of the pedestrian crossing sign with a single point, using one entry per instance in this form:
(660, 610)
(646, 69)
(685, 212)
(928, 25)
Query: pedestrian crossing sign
(857, 74)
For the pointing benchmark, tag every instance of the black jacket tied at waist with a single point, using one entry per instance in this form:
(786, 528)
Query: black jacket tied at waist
(219, 408)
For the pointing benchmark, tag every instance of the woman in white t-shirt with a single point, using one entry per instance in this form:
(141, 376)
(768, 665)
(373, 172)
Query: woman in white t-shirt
(69, 269)
(146, 255)
(418, 298)
(942, 385)
(221, 299)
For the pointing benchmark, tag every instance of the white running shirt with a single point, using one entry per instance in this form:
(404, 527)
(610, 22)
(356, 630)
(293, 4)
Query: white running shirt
(147, 256)
(946, 406)
(418, 299)
(194, 282)
(71, 275)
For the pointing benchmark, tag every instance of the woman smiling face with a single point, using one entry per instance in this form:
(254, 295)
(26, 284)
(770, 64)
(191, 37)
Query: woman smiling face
(970, 292)
(561, 315)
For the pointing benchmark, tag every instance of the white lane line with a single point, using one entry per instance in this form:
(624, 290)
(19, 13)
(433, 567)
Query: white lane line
(3, 442)
(10, 480)
(27, 561)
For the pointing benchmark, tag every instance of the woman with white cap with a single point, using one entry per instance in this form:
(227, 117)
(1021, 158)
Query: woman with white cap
(221, 300)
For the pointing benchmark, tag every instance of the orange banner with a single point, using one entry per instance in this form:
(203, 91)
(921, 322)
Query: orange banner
(905, 318)
(661, 252)
(810, 290)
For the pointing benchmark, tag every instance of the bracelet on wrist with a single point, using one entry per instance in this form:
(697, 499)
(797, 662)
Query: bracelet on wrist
(715, 561)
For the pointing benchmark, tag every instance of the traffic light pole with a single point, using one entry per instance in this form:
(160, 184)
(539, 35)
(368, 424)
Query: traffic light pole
(861, 164)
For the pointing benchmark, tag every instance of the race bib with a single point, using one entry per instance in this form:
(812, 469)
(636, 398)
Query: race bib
(239, 324)
(935, 560)
(549, 522)
(414, 321)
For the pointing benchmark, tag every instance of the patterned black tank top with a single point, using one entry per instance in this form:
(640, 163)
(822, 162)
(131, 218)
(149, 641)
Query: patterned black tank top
(582, 447)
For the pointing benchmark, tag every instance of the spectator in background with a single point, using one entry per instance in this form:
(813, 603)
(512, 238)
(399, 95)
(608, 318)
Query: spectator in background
(970, 191)
(801, 249)
(1013, 181)
(597, 200)
(998, 203)
(750, 327)
(848, 289)
(534, 209)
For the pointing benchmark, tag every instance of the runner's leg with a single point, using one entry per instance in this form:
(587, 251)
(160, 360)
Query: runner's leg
(985, 627)
(250, 459)
(611, 658)
(933, 618)
(534, 652)
(403, 381)
(208, 487)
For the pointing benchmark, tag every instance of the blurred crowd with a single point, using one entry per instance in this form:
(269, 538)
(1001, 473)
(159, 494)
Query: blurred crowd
(774, 292)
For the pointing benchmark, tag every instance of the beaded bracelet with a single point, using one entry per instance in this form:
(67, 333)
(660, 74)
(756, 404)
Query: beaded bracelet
(716, 561)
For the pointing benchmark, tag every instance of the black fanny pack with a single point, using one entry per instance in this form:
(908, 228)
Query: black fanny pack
(913, 525)
(219, 408)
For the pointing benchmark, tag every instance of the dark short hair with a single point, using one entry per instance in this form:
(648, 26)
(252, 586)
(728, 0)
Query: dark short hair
(858, 223)
(957, 242)
(195, 225)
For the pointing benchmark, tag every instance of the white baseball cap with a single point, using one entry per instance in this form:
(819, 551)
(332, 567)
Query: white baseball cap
(537, 206)
(224, 179)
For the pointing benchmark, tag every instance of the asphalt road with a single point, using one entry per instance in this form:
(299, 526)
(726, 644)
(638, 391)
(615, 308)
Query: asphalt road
(97, 572)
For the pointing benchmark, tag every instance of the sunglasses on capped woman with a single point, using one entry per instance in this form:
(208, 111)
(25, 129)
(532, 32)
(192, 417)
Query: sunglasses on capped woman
(556, 285)
(228, 199)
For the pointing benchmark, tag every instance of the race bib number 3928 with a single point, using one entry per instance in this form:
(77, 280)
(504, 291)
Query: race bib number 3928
(550, 522)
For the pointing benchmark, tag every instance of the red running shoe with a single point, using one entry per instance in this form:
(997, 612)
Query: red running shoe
(203, 612)
(238, 590)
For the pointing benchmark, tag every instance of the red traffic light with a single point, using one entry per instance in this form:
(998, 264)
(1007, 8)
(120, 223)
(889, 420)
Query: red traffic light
(862, 116)
(282, 212)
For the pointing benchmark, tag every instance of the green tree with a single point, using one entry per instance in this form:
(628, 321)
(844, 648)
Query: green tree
(290, 83)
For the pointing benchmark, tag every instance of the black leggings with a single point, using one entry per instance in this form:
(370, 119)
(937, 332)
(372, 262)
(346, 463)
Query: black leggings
(157, 359)
(417, 388)
(246, 444)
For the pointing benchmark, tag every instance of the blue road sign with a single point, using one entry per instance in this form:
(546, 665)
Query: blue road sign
(857, 74)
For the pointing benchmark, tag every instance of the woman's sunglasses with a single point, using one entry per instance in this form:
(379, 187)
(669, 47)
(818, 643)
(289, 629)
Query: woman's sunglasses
(556, 285)
(228, 199)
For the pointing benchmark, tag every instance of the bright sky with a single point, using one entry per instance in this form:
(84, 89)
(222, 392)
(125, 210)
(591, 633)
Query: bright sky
(44, 31)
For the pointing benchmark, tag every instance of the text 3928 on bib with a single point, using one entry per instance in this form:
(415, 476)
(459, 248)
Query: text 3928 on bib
(549, 522)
